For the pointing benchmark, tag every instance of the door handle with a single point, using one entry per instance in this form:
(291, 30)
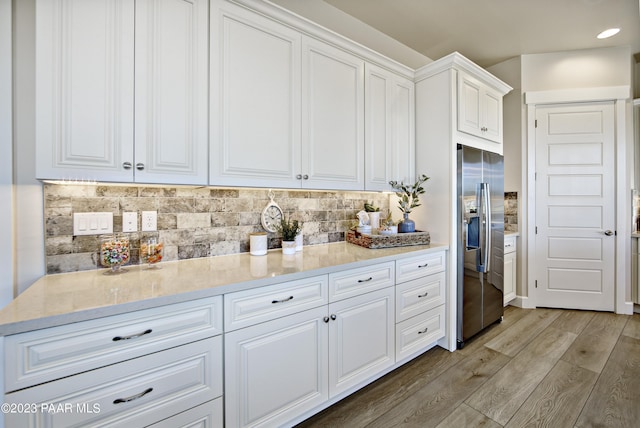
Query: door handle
(608, 232)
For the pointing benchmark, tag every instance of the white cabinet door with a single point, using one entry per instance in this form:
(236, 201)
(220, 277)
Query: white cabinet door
(479, 109)
(276, 370)
(84, 89)
(509, 285)
(171, 75)
(255, 99)
(361, 338)
(389, 122)
(332, 118)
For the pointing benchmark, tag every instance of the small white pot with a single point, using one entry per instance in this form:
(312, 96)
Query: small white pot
(288, 247)
(389, 230)
(299, 242)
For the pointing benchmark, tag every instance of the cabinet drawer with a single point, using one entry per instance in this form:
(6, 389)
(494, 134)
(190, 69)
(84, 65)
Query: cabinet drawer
(353, 282)
(419, 266)
(44, 355)
(509, 244)
(250, 307)
(416, 334)
(207, 415)
(137, 392)
(418, 295)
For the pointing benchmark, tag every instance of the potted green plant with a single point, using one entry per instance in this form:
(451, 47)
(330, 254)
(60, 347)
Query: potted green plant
(374, 215)
(388, 227)
(288, 229)
(408, 199)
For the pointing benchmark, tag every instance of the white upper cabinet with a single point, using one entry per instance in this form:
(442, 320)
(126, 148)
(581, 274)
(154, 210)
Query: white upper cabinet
(255, 99)
(389, 128)
(171, 97)
(332, 117)
(89, 58)
(84, 89)
(479, 109)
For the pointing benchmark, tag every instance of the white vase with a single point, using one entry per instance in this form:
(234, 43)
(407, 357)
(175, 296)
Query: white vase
(374, 219)
(299, 242)
(288, 247)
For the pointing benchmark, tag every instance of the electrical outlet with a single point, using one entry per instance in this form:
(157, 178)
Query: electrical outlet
(92, 223)
(149, 221)
(130, 221)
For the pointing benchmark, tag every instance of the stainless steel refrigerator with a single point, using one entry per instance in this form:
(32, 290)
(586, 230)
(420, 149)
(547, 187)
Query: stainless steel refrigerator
(480, 217)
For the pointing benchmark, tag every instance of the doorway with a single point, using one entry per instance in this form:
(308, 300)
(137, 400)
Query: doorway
(575, 239)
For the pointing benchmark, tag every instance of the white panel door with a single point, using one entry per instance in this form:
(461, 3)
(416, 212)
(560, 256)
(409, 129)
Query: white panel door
(361, 338)
(277, 370)
(332, 117)
(255, 99)
(389, 129)
(84, 89)
(172, 63)
(575, 206)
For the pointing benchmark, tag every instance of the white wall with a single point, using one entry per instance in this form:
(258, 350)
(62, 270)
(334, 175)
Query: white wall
(6, 157)
(586, 68)
(28, 208)
(346, 25)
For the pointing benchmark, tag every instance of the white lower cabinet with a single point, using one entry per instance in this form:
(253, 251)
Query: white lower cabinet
(278, 370)
(207, 415)
(510, 269)
(136, 392)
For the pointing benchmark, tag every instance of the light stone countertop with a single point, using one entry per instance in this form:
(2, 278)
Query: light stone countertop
(71, 297)
(635, 235)
(512, 233)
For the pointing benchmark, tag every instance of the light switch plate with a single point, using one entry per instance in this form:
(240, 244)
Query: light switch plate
(92, 223)
(130, 221)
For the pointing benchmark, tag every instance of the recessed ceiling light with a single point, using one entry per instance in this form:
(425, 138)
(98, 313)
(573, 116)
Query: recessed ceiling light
(608, 33)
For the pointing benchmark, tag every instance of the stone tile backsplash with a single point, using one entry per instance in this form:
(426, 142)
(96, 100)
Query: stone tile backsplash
(511, 211)
(192, 222)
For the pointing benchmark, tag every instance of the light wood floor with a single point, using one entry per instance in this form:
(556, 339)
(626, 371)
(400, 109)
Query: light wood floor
(539, 367)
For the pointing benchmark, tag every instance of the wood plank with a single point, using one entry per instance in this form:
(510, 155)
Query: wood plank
(632, 329)
(573, 321)
(559, 398)
(502, 395)
(524, 331)
(615, 400)
(512, 315)
(429, 406)
(371, 402)
(465, 416)
(593, 346)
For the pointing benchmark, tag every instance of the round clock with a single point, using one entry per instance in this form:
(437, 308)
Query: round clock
(271, 215)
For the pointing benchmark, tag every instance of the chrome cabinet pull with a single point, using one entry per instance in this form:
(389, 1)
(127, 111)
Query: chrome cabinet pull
(423, 295)
(283, 300)
(133, 336)
(333, 317)
(306, 177)
(366, 280)
(139, 166)
(424, 265)
(133, 397)
(608, 232)
(127, 165)
(424, 331)
(325, 319)
(299, 176)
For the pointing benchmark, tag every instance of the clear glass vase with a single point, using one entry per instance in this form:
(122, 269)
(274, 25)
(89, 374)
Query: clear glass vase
(151, 253)
(114, 253)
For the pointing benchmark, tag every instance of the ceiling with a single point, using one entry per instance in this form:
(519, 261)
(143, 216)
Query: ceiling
(491, 31)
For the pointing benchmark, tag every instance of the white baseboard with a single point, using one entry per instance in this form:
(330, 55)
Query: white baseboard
(522, 302)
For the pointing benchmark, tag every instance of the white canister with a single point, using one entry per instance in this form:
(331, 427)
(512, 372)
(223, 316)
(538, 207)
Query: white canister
(299, 241)
(258, 243)
(374, 219)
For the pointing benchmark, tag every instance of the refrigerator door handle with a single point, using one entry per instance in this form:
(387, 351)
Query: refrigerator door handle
(487, 225)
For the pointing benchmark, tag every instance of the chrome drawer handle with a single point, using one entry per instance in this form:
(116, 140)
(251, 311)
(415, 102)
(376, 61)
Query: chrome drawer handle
(283, 300)
(423, 295)
(133, 397)
(133, 336)
(424, 331)
(366, 280)
(424, 265)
